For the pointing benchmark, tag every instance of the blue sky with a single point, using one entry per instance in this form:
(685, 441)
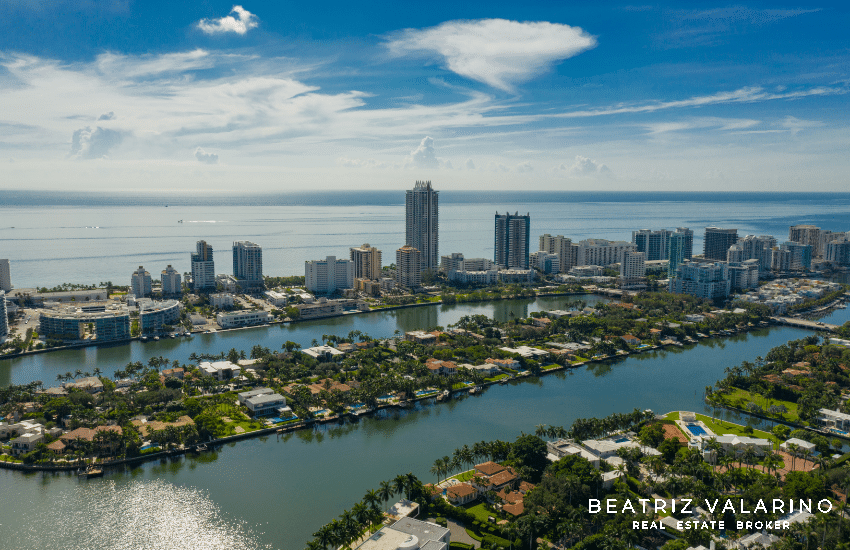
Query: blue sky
(271, 96)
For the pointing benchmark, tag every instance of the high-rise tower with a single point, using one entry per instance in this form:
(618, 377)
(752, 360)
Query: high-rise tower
(248, 264)
(203, 267)
(422, 223)
(511, 240)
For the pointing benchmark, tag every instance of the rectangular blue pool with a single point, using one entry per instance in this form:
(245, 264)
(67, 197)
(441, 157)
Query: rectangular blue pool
(696, 429)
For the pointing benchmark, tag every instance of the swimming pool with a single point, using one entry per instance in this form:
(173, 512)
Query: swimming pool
(696, 429)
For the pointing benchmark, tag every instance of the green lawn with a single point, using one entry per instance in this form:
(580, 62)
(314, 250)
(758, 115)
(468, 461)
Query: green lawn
(495, 378)
(464, 476)
(739, 398)
(722, 427)
(480, 512)
(672, 416)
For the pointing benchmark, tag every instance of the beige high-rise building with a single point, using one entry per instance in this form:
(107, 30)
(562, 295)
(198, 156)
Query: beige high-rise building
(805, 234)
(171, 282)
(367, 262)
(563, 247)
(408, 266)
(422, 223)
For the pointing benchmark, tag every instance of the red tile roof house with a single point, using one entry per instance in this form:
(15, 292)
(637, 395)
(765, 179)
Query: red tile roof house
(631, 340)
(87, 434)
(492, 476)
(461, 493)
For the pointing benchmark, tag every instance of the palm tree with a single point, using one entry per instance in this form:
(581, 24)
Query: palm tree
(399, 484)
(385, 491)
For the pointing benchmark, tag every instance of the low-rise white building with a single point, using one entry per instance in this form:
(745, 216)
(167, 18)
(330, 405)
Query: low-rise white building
(265, 404)
(324, 353)
(242, 318)
(220, 370)
(223, 300)
(277, 299)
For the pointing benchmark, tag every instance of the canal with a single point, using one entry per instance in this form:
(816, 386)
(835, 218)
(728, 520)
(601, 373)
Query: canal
(275, 492)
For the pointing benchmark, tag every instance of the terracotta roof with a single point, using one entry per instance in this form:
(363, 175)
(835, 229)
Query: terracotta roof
(57, 446)
(146, 427)
(489, 468)
(461, 490)
(503, 478)
(88, 433)
(514, 509)
(525, 486)
(511, 497)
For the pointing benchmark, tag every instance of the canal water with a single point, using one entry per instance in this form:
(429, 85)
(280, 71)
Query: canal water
(274, 492)
(378, 324)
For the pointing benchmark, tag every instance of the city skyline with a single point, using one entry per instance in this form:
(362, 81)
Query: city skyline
(496, 96)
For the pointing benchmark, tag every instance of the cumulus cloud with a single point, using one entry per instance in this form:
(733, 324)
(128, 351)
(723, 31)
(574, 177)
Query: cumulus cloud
(497, 52)
(424, 156)
(583, 166)
(524, 167)
(94, 144)
(469, 164)
(108, 116)
(206, 158)
(242, 23)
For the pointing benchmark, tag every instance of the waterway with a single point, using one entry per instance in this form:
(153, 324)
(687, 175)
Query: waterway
(275, 492)
(378, 324)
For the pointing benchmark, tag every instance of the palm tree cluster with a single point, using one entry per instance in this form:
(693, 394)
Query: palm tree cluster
(587, 428)
(467, 456)
(353, 524)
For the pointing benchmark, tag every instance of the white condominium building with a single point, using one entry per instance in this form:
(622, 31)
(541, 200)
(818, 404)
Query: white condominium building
(633, 265)
(328, 275)
(140, 283)
(203, 267)
(602, 252)
(171, 282)
(248, 264)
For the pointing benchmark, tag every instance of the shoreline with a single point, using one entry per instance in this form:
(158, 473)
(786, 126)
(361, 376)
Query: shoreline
(95, 343)
(350, 416)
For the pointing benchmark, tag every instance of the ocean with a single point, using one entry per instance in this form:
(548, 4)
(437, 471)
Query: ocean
(52, 238)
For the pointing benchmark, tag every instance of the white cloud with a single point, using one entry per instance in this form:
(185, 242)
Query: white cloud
(206, 158)
(524, 167)
(107, 116)
(497, 52)
(424, 156)
(242, 23)
(93, 144)
(469, 164)
(583, 167)
(795, 125)
(749, 94)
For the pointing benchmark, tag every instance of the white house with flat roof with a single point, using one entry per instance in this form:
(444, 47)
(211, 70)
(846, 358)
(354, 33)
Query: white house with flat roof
(253, 393)
(265, 404)
(26, 443)
(242, 318)
(834, 419)
(322, 352)
(220, 370)
(740, 443)
(409, 534)
(527, 352)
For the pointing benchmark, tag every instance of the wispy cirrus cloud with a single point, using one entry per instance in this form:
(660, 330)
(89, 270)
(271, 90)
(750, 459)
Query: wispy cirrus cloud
(703, 27)
(497, 52)
(749, 94)
(240, 24)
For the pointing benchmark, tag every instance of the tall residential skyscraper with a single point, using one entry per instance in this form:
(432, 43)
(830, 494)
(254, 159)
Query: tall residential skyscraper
(140, 283)
(563, 247)
(422, 223)
(717, 242)
(752, 248)
(367, 262)
(203, 267)
(248, 264)
(171, 284)
(5, 276)
(408, 267)
(511, 240)
(655, 244)
(680, 247)
(4, 318)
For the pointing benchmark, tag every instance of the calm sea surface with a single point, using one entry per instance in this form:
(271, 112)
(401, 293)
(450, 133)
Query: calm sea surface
(275, 492)
(52, 238)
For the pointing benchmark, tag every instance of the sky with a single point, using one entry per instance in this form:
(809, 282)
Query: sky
(211, 96)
